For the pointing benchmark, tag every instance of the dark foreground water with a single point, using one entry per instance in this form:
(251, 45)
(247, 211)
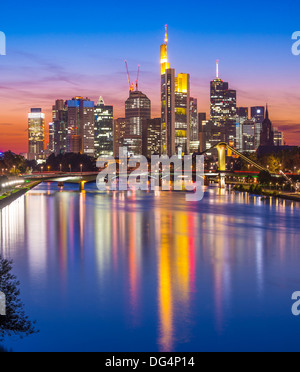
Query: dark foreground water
(152, 272)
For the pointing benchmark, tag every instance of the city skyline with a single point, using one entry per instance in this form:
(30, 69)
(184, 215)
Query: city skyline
(258, 65)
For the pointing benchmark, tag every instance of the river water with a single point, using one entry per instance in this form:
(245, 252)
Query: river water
(142, 271)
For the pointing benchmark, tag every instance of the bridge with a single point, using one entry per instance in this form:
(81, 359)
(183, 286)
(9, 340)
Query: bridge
(221, 148)
(81, 178)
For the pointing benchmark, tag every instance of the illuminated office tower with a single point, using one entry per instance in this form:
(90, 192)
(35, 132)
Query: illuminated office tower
(137, 111)
(152, 137)
(81, 132)
(182, 113)
(60, 125)
(36, 134)
(201, 127)
(247, 141)
(257, 116)
(223, 108)
(278, 138)
(119, 134)
(103, 129)
(175, 106)
(194, 128)
(168, 111)
(241, 117)
(51, 137)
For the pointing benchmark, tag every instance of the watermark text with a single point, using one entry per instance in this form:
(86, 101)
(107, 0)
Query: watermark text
(2, 304)
(2, 44)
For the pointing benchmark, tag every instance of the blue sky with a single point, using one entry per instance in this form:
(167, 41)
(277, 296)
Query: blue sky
(62, 49)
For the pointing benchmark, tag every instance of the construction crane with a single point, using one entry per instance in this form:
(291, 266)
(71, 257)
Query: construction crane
(137, 78)
(131, 85)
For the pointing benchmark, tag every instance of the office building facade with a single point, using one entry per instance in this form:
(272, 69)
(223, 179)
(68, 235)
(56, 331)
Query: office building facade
(175, 107)
(137, 111)
(36, 134)
(60, 126)
(80, 129)
(103, 129)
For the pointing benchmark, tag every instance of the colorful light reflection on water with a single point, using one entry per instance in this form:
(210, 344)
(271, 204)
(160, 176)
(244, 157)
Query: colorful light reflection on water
(151, 272)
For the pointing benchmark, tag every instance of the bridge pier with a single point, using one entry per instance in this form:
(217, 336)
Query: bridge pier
(221, 147)
(81, 185)
(222, 183)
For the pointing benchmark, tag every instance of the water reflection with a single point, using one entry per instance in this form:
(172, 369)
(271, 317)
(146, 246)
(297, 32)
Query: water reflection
(162, 266)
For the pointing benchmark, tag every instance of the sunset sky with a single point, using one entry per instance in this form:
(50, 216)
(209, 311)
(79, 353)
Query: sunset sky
(66, 49)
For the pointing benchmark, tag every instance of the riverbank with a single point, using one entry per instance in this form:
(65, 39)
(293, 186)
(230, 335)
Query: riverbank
(258, 190)
(9, 197)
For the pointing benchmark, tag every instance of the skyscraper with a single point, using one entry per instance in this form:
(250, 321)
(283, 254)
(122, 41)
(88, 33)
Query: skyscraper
(60, 126)
(51, 138)
(223, 108)
(182, 113)
(257, 116)
(194, 128)
(81, 132)
(119, 133)
(152, 137)
(267, 134)
(137, 111)
(103, 128)
(202, 134)
(175, 106)
(241, 116)
(36, 134)
(278, 137)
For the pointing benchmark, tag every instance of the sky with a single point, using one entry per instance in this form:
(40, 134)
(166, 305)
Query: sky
(58, 50)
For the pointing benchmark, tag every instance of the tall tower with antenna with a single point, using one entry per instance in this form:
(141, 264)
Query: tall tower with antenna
(175, 106)
(223, 109)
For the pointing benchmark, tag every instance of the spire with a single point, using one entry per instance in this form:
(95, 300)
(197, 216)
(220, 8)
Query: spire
(267, 112)
(100, 101)
(217, 67)
(166, 34)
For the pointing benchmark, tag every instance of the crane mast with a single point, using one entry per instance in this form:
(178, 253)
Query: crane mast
(131, 85)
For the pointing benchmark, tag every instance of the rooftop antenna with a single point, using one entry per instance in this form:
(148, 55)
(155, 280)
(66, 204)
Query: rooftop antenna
(166, 34)
(217, 69)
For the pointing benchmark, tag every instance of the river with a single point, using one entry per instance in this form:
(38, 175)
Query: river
(149, 271)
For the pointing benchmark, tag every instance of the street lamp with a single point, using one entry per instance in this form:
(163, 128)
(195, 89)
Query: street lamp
(42, 169)
(60, 165)
(14, 170)
(48, 168)
(70, 167)
(81, 168)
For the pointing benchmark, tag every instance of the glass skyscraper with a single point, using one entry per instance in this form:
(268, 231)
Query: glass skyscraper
(103, 129)
(137, 111)
(81, 132)
(36, 134)
(223, 109)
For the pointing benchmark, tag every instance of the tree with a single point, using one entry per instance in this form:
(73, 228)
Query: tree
(15, 322)
(264, 177)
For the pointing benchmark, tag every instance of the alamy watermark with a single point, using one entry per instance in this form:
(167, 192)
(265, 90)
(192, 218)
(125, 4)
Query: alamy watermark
(2, 44)
(296, 44)
(153, 176)
(2, 304)
(296, 305)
